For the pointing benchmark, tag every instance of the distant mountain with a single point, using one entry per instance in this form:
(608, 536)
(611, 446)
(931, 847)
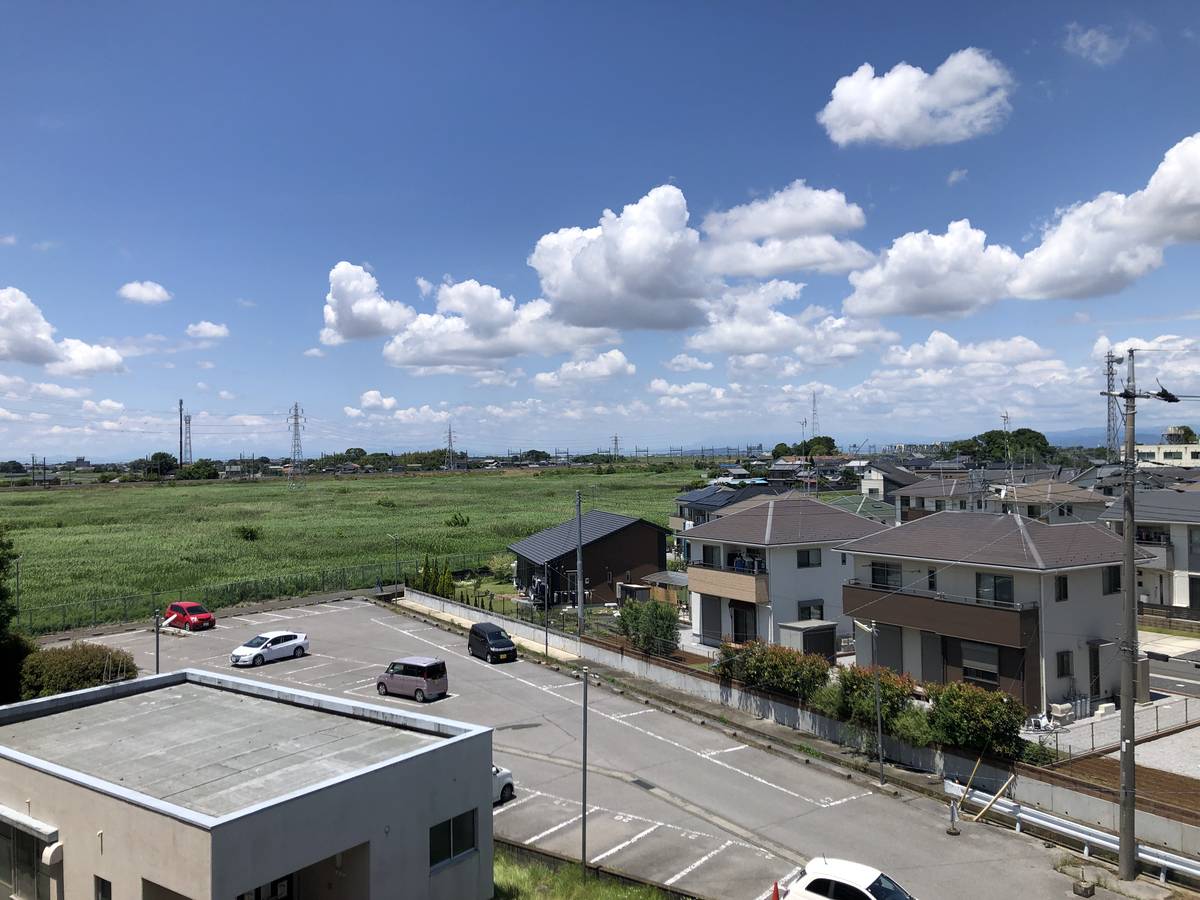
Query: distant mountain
(1078, 437)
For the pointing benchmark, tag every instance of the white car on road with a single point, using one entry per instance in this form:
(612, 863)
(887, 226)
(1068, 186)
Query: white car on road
(502, 785)
(268, 646)
(843, 880)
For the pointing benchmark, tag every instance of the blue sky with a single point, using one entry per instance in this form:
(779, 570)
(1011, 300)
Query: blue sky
(393, 215)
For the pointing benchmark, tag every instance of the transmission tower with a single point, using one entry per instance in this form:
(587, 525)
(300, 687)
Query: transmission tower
(187, 440)
(816, 423)
(1113, 433)
(616, 447)
(296, 424)
(451, 463)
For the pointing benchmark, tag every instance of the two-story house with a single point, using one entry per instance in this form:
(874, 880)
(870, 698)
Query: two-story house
(770, 564)
(1168, 527)
(880, 480)
(931, 495)
(1052, 502)
(1000, 601)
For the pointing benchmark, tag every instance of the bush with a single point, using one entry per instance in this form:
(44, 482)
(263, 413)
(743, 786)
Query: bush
(247, 532)
(56, 670)
(386, 502)
(827, 700)
(14, 649)
(500, 565)
(1037, 754)
(858, 695)
(650, 626)
(973, 718)
(458, 520)
(912, 726)
(771, 667)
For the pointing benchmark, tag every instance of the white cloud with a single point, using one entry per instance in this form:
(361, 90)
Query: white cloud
(589, 368)
(57, 391)
(202, 385)
(762, 259)
(314, 352)
(940, 349)
(965, 97)
(376, 400)
(415, 415)
(638, 267)
(26, 336)
(794, 211)
(206, 364)
(103, 408)
(955, 176)
(354, 307)
(148, 292)
(424, 286)
(227, 395)
(8, 415)
(934, 274)
(1098, 45)
(245, 304)
(8, 240)
(44, 246)
(682, 362)
(207, 329)
(352, 412)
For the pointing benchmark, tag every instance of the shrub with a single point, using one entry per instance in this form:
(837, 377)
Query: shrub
(912, 726)
(774, 668)
(500, 565)
(458, 520)
(827, 700)
(1037, 754)
(247, 532)
(56, 670)
(386, 502)
(973, 718)
(858, 695)
(14, 649)
(650, 626)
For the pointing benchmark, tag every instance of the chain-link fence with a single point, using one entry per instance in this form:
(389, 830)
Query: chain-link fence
(87, 612)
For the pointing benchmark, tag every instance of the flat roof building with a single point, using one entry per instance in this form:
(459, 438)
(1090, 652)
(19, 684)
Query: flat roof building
(198, 785)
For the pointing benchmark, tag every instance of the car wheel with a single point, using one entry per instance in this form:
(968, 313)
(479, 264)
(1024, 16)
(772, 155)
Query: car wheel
(506, 793)
(491, 659)
(187, 626)
(298, 652)
(470, 650)
(258, 659)
(419, 695)
(382, 689)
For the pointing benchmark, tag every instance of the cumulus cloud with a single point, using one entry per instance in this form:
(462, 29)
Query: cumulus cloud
(314, 352)
(424, 286)
(103, 408)
(682, 362)
(955, 176)
(966, 96)
(355, 308)
(206, 364)
(227, 395)
(352, 412)
(207, 330)
(589, 368)
(148, 292)
(1098, 45)
(419, 415)
(8, 240)
(940, 349)
(794, 211)
(26, 336)
(376, 400)
(80, 359)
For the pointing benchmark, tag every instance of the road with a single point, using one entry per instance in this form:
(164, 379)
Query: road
(669, 799)
(1178, 675)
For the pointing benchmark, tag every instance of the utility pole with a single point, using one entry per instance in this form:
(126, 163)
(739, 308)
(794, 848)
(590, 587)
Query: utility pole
(396, 541)
(579, 560)
(451, 464)
(583, 787)
(874, 629)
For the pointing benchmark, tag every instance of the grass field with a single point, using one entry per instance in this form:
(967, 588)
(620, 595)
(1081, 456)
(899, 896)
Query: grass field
(112, 541)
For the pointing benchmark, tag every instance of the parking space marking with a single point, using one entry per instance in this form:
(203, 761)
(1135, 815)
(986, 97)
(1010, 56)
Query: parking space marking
(560, 825)
(374, 694)
(555, 687)
(783, 882)
(697, 864)
(246, 620)
(636, 712)
(313, 666)
(274, 615)
(621, 846)
(1177, 679)
(515, 803)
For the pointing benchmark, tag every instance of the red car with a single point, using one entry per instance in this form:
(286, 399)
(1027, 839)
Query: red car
(189, 616)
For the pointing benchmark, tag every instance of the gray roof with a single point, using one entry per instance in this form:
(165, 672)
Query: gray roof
(896, 473)
(1001, 541)
(675, 579)
(544, 546)
(940, 487)
(1160, 506)
(862, 505)
(780, 522)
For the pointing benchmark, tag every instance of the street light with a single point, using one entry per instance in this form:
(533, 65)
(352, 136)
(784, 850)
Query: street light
(396, 540)
(874, 629)
(583, 792)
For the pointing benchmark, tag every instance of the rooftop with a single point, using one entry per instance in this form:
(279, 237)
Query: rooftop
(998, 541)
(1049, 492)
(1160, 506)
(782, 522)
(940, 487)
(551, 543)
(203, 746)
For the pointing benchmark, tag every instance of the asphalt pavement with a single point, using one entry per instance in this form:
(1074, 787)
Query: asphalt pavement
(668, 799)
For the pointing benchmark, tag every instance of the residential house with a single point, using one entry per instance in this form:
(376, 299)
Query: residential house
(860, 505)
(767, 565)
(999, 601)
(698, 506)
(616, 548)
(1168, 526)
(1052, 502)
(881, 480)
(932, 495)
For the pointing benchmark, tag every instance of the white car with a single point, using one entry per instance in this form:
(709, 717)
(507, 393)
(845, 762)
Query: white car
(502, 785)
(268, 646)
(843, 880)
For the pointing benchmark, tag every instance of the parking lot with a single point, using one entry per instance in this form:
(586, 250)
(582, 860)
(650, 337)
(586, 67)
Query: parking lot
(668, 799)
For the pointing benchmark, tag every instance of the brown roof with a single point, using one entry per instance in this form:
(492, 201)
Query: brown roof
(939, 487)
(1004, 541)
(780, 522)
(1049, 492)
(758, 500)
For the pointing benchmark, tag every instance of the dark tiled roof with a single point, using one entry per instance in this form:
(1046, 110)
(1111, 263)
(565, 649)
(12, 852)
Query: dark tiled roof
(718, 496)
(989, 539)
(1159, 506)
(552, 543)
(791, 521)
(895, 473)
(940, 487)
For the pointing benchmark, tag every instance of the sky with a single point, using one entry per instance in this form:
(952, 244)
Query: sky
(544, 224)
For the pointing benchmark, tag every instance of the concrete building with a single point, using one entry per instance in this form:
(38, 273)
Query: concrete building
(195, 785)
(1168, 527)
(1175, 450)
(770, 564)
(1000, 601)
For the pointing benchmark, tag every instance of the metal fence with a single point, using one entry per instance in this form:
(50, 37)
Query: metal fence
(93, 611)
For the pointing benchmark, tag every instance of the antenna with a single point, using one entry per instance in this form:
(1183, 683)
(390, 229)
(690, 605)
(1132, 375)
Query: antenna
(816, 423)
(295, 423)
(186, 459)
(1113, 430)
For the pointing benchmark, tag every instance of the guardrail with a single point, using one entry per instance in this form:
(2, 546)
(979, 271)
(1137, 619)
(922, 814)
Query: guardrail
(748, 567)
(1090, 838)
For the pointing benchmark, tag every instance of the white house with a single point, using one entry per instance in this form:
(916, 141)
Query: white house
(1168, 527)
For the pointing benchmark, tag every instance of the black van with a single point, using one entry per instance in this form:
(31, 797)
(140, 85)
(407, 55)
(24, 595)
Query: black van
(491, 642)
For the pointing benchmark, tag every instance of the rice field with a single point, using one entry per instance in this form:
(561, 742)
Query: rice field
(102, 542)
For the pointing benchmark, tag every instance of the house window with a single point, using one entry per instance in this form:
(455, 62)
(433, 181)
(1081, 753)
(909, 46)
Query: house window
(452, 838)
(708, 554)
(1060, 588)
(1034, 511)
(1111, 579)
(808, 559)
(1195, 454)
(1066, 664)
(931, 580)
(981, 664)
(993, 588)
(843, 559)
(1172, 454)
(103, 888)
(1065, 509)
(807, 610)
(979, 504)
(962, 504)
(939, 505)
(885, 575)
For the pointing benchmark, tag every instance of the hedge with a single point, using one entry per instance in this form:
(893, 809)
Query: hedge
(56, 670)
(771, 667)
(967, 716)
(650, 626)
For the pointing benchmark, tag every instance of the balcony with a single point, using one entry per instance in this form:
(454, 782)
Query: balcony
(675, 523)
(1164, 555)
(733, 584)
(1009, 623)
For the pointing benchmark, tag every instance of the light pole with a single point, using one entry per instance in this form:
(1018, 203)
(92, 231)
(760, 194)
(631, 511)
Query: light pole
(157, 617)
(1127, 852)
(874, 629)
(579, 560)
(583, 792)
(17, 563)
(396, 541)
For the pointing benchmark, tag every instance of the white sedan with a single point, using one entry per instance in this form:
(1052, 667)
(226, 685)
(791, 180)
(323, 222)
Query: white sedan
(844, 880)
(502, 785)
(270, 645)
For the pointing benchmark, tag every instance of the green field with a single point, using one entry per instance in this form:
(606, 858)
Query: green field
(104, 542)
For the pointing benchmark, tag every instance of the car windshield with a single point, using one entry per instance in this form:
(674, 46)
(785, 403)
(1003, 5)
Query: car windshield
(883, 888)
(255, 641)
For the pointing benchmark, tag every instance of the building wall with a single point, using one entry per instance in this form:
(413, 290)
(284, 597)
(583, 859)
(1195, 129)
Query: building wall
(787, 584)
(1087, 615)
(627, 555)
(137, 843)
(1149, 454)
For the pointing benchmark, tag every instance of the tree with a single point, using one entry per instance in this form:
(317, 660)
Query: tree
(967, 716)
(1187, 435)
(780, 449)
(12, 467)
(14, 648)
(355, 453)
(163, 463)
(820, 445)
(538, 456)
(199, 470)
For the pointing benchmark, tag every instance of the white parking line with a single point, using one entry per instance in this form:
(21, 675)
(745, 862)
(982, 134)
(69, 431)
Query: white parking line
(782, 882)
(273, 615)
(244, 619)
(555, 687)
(630, 715)
(306, 668)
(550, 831)
(514, 803)
(711, 753)
(1174, 678)
(633, 840)
(697, 864)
